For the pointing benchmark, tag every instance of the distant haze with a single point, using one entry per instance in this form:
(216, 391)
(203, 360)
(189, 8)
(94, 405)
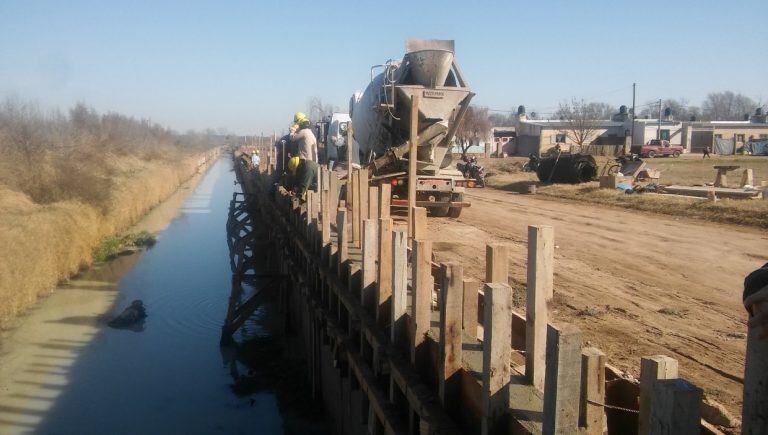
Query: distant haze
(246, 67)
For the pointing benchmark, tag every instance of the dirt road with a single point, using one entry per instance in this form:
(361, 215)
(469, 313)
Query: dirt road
(636, 284)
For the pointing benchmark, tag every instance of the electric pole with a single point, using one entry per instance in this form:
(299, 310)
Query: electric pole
(658, 129)
(632, 141)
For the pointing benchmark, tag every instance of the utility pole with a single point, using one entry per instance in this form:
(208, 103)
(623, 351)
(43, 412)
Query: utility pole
(658, 129)
(634, 87)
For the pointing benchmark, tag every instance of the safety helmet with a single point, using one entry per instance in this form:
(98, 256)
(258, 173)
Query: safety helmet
(299, 117)
(293, 164)
(257, 152)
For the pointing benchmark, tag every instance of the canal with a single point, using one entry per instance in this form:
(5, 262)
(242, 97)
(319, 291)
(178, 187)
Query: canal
(62, 370)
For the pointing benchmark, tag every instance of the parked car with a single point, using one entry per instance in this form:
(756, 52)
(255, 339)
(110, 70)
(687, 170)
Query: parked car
(657, 147)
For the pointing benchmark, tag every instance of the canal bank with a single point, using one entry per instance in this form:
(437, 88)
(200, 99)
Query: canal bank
(64, 371)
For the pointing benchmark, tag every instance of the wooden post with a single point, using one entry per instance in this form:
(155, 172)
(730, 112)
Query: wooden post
(652, 368)
(385, 196)
(539, 291)
(325, 215)
(421, 302)
(497, 352)
(362, 197)
(451, 296)
(373, 202)
(349, 160)
(399, 240)
(412, 157)
(418, 223)
(592, 391)
(355, 204)
(342, 236)
(563, 380)
(369, 272)
(676, 408)
(496, 266)
(333, 189)
(469, 316)
(384, 281)
(754, 418)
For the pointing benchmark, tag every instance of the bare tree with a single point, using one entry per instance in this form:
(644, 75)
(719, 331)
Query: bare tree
(475, 126)
(317, 110)
(581, 121)
(727, 106)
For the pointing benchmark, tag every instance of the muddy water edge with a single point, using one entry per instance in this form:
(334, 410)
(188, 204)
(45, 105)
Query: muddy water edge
(63, 370)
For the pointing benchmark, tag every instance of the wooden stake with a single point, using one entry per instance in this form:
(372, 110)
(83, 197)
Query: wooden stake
(421, 302)
(342, 236)
(451, 295)
(652, 368)
(418, 223)
(399, 240)
(563, 380)
(412, 157)
(496, 266)
(469, 316)
(384, 285)
(355, 203)
(373, 202)
(497, 352)
(592, 391)
(385, 195)
(539, 290)
(369, 272)
(676, 408)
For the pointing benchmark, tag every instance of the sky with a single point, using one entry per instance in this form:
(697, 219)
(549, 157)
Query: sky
(247, 66)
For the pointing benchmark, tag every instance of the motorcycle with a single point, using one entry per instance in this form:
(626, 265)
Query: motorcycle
(470, 169)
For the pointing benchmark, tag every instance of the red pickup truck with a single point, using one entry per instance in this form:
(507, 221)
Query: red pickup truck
(657, 147)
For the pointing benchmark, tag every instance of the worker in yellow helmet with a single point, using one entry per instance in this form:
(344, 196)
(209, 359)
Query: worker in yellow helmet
(302, 176)
(303, 141)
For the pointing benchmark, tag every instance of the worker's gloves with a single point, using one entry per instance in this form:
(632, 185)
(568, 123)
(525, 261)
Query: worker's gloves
(757, 305)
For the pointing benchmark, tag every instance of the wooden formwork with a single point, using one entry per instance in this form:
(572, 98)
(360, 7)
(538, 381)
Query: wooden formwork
(417, 348)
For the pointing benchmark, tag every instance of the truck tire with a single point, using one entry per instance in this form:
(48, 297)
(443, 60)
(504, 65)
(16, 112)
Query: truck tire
(676, 154)
(439, 211)
(651, 154)
(455, 212)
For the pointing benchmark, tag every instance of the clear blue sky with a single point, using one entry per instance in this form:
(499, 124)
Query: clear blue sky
(248, 65)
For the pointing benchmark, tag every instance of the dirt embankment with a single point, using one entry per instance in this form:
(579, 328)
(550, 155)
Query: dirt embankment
(40, 245)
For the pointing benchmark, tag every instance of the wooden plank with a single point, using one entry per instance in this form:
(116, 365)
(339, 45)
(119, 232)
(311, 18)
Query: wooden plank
(418, 223)
(362, 196)
(334, 185)
(342, 233)
(539, 290)
(469, 315)
(497, 352)
(373, 202)
(592, 415)
(370, 254)
(385, 196)
(652, 368)
(399, 304)
(355, 207)
(451, 296)
(563, 380)
(421, 303)
(496, 266)
(413, 157)
(676, 408)
(384, 281)
(325, 214)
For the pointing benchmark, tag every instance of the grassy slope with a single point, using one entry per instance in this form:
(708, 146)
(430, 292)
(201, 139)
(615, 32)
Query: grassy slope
(44, 244)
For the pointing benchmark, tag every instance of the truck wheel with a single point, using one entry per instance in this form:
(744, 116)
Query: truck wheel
(651, 154)
(676, 154)
(439, 211)
(454, 212)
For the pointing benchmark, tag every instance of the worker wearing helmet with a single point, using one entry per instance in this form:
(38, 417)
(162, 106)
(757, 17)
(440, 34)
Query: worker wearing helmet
(255, 159)
(303, 176)
(302, 138)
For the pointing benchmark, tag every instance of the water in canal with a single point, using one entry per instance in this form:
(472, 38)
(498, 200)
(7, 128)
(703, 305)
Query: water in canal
(62, 370)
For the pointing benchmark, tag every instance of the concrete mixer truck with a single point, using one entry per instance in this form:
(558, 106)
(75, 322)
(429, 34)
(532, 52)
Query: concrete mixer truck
(381, 125)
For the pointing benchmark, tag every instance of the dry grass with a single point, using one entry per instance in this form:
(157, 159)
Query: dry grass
(687, 171)
(67, 182)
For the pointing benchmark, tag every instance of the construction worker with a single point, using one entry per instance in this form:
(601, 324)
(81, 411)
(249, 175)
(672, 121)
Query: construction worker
(303, 176)
(302, 138)
(255, 159)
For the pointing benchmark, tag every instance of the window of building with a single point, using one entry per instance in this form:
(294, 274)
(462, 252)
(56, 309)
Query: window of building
(664, 135)
(739, 138)
(560, 138)
(764, 136)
